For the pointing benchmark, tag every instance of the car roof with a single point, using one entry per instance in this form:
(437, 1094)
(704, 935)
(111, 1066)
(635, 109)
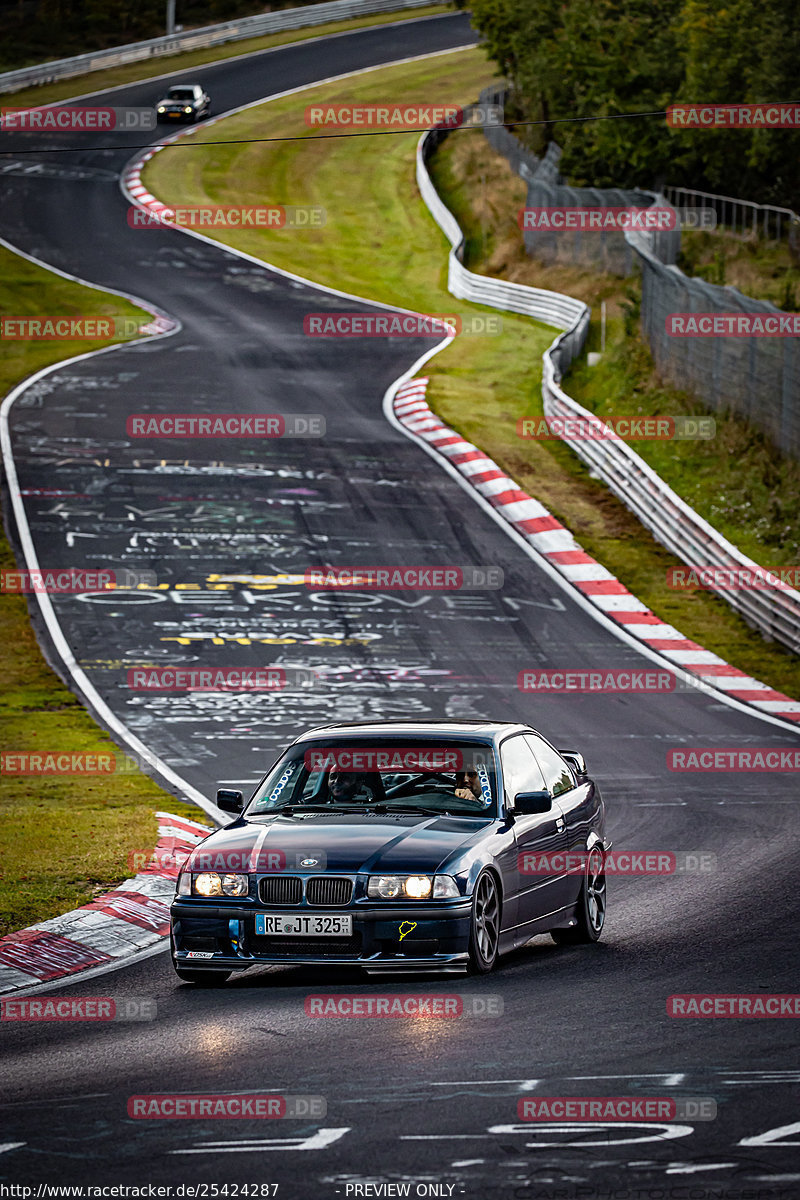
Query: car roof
(480, 729)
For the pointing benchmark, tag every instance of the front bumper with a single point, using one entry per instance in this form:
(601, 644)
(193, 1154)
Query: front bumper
(225, 937)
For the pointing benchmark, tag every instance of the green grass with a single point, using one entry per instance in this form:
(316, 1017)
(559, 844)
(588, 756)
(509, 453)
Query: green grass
(380, 242)
(737, 480)
(97, 81)
(757, 267)
(63, 839)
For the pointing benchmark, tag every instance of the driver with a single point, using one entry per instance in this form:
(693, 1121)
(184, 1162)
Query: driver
(468, 785)
(343, 785)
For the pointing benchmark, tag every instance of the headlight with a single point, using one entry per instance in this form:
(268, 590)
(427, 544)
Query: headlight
(212, 884)
(399, 887)
(235, 885)
(187, 110)
(161, 108)
(207, 884)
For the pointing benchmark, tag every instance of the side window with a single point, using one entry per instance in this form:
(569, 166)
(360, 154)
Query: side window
(557, 774)
(521, 772)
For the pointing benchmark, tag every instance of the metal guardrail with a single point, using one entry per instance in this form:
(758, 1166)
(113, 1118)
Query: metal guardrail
(774, 612)
(198, 39)
(550, 307)
(736, 215)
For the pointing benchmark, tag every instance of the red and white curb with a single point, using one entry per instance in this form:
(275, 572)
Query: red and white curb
(132, 177)
(556, 544)
(526, 515)
(120, 923)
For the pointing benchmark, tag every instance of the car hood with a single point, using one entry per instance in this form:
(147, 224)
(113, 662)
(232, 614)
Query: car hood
(352, 842)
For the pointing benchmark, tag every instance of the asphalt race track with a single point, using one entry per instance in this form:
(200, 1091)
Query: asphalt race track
(432, 1104)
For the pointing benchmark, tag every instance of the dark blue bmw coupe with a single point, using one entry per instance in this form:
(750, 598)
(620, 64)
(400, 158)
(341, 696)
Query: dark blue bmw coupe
(397, 847)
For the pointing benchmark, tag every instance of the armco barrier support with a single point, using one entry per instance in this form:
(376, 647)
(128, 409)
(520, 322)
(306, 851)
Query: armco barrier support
(774, 612)
(199, 39)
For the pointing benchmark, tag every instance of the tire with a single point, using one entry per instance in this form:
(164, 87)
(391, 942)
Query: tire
(206, 979)
(591, 912)
(484, 934)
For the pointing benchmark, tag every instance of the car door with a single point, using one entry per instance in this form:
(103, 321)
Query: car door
(578, 805)
(536, 834)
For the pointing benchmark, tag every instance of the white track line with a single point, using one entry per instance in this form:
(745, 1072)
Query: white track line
(82, 683)
(131, 175)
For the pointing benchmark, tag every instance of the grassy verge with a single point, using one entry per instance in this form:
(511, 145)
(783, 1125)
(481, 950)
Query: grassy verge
(736, 480)
(97, 81)
(380, 242)
(760, 268)
(63, 839)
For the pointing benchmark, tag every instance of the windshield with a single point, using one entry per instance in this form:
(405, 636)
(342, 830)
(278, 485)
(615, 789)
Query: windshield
(426, 776)
(180, 93)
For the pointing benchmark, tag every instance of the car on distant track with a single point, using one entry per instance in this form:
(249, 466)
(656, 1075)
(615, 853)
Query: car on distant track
(397, 846)
(184, 102)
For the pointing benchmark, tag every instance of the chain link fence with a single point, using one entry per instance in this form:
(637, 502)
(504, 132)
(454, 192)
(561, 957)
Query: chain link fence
(776, 612)
(756, 377)
(602, 249)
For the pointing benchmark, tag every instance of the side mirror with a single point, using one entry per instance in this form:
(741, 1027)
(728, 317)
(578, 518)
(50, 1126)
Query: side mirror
(230, 801)
(575, 760)
(532, 802)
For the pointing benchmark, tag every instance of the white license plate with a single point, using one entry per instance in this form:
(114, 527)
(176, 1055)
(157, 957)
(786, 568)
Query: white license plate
(302, 925)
